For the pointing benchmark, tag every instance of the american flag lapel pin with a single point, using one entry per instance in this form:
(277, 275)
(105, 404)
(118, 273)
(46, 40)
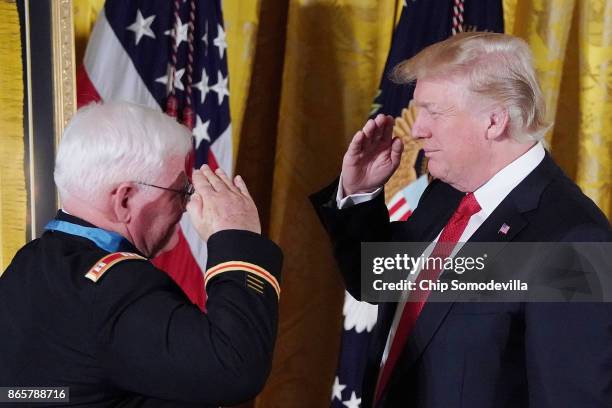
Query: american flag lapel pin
(504, 229)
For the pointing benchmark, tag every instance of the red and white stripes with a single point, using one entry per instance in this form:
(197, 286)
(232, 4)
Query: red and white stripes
(457, 17)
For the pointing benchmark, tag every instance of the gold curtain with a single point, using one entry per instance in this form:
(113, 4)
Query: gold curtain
(572, 45)
(13, 204)
(332, 59)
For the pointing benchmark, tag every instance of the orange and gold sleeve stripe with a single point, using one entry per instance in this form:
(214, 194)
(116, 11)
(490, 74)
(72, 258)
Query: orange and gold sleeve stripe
(247, 267)
(104, 264)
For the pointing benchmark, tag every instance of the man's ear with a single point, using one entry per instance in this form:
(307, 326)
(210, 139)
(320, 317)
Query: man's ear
(122, 202)
(498, 123)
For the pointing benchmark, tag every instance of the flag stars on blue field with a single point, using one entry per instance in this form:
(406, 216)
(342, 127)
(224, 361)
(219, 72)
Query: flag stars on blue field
(178, 79)
(202, 86)
(181, 30)
(220, 87)
(148, 39)
(205, 37)
(337, 389)
(220, 41)
(200, 131)
(141, 27)
(353, 402)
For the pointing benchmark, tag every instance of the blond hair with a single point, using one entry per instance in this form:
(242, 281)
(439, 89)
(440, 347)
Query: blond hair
(496, 66)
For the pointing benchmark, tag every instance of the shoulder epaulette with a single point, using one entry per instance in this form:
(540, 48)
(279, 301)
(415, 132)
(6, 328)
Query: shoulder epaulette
(104, 264)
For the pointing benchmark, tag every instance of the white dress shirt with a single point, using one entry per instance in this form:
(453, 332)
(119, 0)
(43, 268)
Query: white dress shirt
(489, 196)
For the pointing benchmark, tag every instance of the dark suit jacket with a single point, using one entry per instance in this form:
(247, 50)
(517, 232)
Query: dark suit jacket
(489, 355)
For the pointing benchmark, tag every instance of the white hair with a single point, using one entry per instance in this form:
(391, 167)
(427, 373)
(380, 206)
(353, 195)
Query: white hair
(106, 144)
(496, 66)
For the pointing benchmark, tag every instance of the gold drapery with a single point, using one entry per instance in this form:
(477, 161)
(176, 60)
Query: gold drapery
(13, 204)
(571, 42)
(334, 54)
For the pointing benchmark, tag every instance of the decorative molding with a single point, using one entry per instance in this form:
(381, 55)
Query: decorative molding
(64, 70)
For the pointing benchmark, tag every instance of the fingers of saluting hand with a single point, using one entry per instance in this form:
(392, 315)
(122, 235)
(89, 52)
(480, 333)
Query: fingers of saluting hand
(201, 183)
(357, 143)
(388, 123)
(228, 183)
(369, 130)
(213, 179)
(379, 129)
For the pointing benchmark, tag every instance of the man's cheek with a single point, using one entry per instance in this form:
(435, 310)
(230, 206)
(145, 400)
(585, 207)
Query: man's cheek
(172, 239)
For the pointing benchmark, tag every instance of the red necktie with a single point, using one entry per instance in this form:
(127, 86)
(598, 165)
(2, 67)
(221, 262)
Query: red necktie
(416, 300)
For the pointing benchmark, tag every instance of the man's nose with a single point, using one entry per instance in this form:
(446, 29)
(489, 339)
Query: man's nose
(419, 129)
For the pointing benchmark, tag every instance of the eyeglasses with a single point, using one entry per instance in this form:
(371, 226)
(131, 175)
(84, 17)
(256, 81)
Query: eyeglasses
(186, 192)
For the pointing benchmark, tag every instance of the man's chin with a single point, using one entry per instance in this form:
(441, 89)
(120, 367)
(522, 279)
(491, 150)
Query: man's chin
(434, 170)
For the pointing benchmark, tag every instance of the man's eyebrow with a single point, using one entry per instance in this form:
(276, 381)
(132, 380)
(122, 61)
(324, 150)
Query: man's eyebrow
(420, 104)
(434, 106)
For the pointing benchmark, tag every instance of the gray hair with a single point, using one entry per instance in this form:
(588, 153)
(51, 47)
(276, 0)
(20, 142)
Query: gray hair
(496, 66)
(106, 144)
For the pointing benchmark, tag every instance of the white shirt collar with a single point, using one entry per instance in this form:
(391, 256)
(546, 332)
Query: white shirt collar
(493, 192)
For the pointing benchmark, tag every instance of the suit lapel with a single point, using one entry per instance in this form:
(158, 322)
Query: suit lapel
(510, 212)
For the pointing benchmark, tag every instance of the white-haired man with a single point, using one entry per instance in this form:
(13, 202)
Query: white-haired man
(480, 119)
(83, 307)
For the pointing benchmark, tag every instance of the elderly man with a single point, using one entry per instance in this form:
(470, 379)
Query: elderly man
(83, 307)
(480, 119)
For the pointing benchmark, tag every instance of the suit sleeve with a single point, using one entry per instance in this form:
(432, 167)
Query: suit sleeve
(364, 222)
(153, 342)
(569, 354)
(348, 228)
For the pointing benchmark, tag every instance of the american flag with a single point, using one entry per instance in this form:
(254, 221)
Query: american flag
(405, 201)
(422, 22)
(504, 229)
(155, 51)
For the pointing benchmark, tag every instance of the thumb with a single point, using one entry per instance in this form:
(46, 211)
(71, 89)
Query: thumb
(397, 147)
(194, 207)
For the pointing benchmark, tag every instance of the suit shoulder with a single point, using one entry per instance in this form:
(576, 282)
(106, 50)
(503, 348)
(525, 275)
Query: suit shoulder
(568, 206)
(568, 199)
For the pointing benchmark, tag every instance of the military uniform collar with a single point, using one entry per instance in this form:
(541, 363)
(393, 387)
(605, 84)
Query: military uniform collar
(107, 240)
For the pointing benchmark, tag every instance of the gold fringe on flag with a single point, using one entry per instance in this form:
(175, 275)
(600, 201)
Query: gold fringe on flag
(13, 198)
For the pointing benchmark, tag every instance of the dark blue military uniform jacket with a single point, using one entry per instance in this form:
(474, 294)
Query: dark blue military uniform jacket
(132, 338)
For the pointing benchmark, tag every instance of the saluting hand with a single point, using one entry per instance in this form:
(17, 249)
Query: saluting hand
(221, 204)
(372, 157)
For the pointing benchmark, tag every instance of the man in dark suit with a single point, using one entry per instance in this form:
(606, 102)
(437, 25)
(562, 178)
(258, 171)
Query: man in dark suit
(83, 307)
(480, 120)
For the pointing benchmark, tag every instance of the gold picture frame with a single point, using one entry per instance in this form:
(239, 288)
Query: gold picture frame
(64, 70)
(49, 99)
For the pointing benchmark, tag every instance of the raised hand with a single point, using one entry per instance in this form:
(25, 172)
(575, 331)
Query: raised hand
(372, 157)
(221, 204)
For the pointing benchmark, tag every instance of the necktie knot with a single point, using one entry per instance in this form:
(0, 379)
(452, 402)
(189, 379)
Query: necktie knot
(468, 205)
